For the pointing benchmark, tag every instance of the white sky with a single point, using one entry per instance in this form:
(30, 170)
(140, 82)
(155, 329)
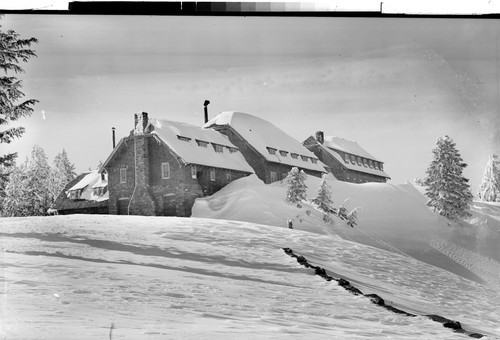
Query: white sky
(393, 85)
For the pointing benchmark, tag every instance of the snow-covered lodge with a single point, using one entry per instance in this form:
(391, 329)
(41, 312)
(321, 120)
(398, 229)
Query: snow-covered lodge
(271, 152)
(163, 166)
(86, 194)
(346, 159)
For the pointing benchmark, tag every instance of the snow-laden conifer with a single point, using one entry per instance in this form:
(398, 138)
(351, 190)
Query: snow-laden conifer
(297, 188)
(447, 189)
(489, 189)
(323, 197)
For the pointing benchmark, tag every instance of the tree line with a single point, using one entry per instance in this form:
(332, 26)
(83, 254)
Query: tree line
(34, 185)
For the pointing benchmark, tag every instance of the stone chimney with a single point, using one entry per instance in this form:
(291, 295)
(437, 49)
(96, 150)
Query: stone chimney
(320, 137)
(140, 122)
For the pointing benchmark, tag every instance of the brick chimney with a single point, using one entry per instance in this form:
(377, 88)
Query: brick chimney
(320, 137)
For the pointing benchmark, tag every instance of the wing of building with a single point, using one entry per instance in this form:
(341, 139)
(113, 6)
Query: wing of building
(270, 151)
(163, 166)
(86, 194)
(346, 159)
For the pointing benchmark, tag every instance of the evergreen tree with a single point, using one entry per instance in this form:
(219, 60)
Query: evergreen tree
(13, 51)
(61, 174)
(297, 189)
(37, 194)
(448, 191)
(323, 197)
(489, 189)
(14, 203)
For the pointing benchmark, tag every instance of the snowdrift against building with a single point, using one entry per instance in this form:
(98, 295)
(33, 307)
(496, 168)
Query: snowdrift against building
(391, 217)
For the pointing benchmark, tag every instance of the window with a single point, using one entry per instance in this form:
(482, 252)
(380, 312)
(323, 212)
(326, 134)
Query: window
(314, 160)
(353, 159)
(232, 150)
(304, 158)
(359, 161)
(382, 166)
(346, 158)
(104, 176)
(365, 162)
(201, 143)
(165, 170)
(212, 175)
(283, 153)
(375, 165)
(294, 155)
(370, 163)
(193, 171)
(271, 150)
(123, 175)
(274, 176)
(217, 147)
(185, 139)
(228, 176)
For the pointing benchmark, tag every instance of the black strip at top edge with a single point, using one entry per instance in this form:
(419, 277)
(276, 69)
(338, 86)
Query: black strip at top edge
(204, 8)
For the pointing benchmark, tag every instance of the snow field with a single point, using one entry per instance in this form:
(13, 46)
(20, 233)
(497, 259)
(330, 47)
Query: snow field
(157, 278)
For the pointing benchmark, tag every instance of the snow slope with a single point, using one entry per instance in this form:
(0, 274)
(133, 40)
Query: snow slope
(86, 276)
(392, 217)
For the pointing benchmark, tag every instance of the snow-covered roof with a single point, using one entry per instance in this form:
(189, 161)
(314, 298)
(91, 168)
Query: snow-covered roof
(196, 145)
(100, 183)
(331, 144)
(271, 142)
(349, 146)
(89, 180)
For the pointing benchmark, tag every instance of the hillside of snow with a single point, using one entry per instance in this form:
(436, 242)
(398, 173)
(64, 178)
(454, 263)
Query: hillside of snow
(132, 277)
(391, 217)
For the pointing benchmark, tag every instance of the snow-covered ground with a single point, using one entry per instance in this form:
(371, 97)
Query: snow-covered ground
(85, 276)
(89, 276)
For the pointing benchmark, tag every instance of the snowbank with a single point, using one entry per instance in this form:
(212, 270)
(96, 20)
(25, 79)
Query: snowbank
(391, 217)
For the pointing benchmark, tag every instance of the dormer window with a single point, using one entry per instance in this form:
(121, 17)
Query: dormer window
(346, 158)
(218, 148)
(353, 159)
(304, 158)
(314, 160)
(271, 151)
(365, 162)
(182, 138)
(359, 161)
(294, 155)
(283, 153)
(201, 143)
(381, 166)
(370, 164)
(232, 150)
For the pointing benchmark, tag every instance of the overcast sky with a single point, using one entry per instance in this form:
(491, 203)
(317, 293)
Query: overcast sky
(393, 85)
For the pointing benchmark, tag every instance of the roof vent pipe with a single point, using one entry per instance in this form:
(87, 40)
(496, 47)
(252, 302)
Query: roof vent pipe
(113, 136)
(205, 104)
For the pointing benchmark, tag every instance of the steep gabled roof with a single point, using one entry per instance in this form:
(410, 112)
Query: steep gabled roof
(263, 136)
(189, 142)
(331, 144)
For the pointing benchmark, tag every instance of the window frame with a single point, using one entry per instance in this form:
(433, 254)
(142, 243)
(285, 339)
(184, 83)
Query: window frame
(274, 176)
(123, 175)
(218, 148)
(194, 172)
(163, 171)
(283, 153)
(294, 155)
(304, 158)
(346, 158)
(212, 174)
(202, 143)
